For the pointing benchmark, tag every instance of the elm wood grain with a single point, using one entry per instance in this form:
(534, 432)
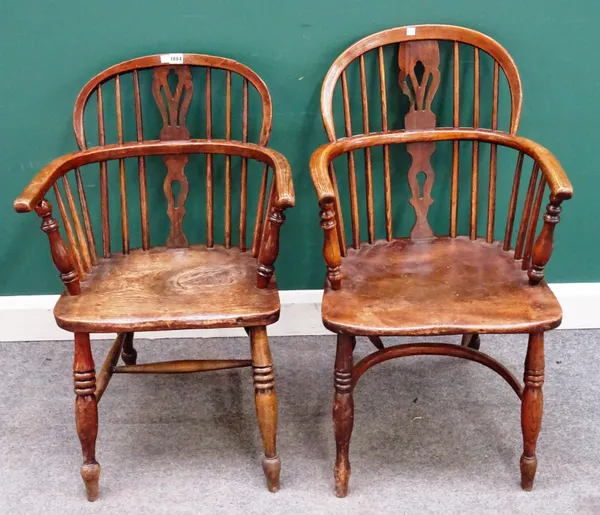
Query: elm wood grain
(162, 289)
(424, 288)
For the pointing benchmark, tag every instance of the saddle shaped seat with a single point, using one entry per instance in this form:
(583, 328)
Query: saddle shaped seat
(161, 289)
(439, 286)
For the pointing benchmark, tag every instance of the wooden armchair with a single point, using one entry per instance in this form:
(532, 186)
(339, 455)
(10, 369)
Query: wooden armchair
(476, 274)
(143, 286)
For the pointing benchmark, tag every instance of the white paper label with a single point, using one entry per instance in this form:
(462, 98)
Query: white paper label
(411, 31)
(171, 59)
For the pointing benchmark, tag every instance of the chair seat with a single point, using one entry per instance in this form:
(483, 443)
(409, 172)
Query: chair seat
(162, 289)
(440, 286)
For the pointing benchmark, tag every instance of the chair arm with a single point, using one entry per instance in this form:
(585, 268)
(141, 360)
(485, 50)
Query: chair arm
(43, 181)
(560, 186)
(282, 197)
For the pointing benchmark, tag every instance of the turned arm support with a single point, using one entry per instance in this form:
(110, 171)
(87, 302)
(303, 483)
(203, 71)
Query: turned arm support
(61, 254)
(542, 249)
(282, 196)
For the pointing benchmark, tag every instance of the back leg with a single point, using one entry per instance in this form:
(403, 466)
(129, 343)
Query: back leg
(471, 340)
(376, 341)
(129, 354)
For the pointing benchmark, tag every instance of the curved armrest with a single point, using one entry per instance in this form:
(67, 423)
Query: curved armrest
(559, 184)
(34, 193)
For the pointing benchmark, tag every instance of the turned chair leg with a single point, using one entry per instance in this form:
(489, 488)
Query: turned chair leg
(86, 412)
(532, 407)
(471, 340)
(266, 404)
(129, 354)
(343, 412)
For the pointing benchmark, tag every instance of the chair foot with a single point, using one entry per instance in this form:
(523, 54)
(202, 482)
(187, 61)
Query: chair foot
(343, 412)
(90, 473)
(272, 468)
(266, 404)
(129, 354)
(532, 407)
(342, 476)
(528, 468)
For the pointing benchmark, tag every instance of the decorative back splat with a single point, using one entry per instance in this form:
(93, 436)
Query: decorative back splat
(420, 116)
(173, 108)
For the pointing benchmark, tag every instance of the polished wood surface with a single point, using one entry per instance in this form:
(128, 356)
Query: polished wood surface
(470, 280)
(177, 283)
(163, 289)
(429, 287)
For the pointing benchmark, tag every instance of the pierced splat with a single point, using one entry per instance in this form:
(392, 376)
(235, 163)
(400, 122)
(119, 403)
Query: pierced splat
(173, 109)
(413, 57)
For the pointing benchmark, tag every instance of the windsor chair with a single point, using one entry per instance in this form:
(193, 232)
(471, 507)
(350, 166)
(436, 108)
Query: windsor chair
(465, 278)
(148, 285)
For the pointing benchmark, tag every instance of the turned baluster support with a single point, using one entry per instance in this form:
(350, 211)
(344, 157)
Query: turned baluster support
(61, 254)
(270, 246)
(331, 246)
(542, 249)
(86, 412)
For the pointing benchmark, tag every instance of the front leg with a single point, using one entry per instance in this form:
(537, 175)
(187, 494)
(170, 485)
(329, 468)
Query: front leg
(532, 407)
(343, 412)
(266, 403)
(86, 412)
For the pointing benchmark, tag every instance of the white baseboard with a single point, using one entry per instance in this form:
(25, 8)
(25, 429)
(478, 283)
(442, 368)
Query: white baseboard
(29, 317)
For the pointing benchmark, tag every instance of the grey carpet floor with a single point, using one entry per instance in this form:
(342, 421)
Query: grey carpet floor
(431, 434)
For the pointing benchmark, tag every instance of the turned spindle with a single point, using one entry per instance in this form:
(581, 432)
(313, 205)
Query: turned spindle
(61, 254)
(331, 247)
(544, 243)
(269, 246)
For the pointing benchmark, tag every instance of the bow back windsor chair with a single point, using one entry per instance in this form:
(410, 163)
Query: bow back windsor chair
(168, 272)
(483, 272)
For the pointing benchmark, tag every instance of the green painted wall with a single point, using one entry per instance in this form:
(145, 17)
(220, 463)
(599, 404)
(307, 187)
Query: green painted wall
(48, 50)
